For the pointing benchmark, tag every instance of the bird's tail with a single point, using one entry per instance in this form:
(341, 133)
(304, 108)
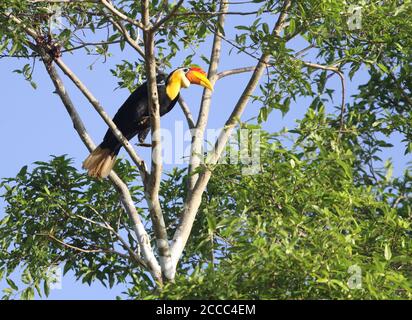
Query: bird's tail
(100, 162)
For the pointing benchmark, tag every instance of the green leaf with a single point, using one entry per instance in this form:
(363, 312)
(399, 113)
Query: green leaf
(292, 26)
(12, 284)
(46, 288)
(387, 252)
(383, 68)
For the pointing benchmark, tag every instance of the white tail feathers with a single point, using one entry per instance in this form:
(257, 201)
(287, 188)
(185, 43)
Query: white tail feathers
(99, 163)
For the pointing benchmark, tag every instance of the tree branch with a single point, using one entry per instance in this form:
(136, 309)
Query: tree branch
(336, 70)
(121, 15)
(69, 245)
(120, 27)
(194, 198)
(230, 72)
(186, 110)
(196, 151)
(167, 17)
(152, 191)
(108, 227)
(72, 247)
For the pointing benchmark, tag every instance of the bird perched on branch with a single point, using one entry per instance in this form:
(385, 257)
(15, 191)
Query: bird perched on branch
(133, 116)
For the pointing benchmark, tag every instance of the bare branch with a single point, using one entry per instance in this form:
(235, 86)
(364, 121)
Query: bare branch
(121, 15)
(88, 44)
(187, 113)
(120, 27)
(230, 72)
(69, 245)
(75, 248)
(108, 227)
(219, 13)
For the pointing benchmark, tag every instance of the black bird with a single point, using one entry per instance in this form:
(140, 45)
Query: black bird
(133, 116)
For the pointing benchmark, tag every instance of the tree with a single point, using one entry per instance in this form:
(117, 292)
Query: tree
(317, 211)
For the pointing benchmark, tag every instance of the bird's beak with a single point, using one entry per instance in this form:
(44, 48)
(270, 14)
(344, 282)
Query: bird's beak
(198, 76)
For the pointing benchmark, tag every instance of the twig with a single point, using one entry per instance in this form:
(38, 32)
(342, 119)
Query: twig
(107, 226)
(121, 15)
(88, 44)
(230, 72)
(336, 70)
(219, 13)
(120, 27)
(167, 17)
(69, 245)
(187, 113)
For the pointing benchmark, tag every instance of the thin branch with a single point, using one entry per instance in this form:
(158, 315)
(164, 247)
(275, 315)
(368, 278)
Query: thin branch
(72, 247)
(69, 245)
(304, 50)
(219, 13)
(187, 113)
(336, 70)
(230, 72)
(120, 27)
(107, 226)
(168, 16)
(88, 44)
(121, 15)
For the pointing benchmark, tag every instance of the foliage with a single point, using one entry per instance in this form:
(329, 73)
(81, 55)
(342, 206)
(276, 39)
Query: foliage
(323, 212)
(292, 231)
(53, 204)
(300, 229)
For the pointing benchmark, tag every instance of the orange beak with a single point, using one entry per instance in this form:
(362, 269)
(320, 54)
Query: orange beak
(199, 76)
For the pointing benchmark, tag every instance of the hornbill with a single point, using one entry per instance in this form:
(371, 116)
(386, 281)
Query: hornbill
(133, 116)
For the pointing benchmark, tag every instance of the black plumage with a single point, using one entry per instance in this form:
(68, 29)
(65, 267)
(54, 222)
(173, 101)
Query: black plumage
(131, 119)
(133, 116)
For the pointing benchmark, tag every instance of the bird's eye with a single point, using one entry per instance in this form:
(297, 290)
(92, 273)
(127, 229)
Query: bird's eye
(185, 70)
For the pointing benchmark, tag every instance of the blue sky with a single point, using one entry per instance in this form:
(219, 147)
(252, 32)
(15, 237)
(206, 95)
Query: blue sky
(37, 120)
